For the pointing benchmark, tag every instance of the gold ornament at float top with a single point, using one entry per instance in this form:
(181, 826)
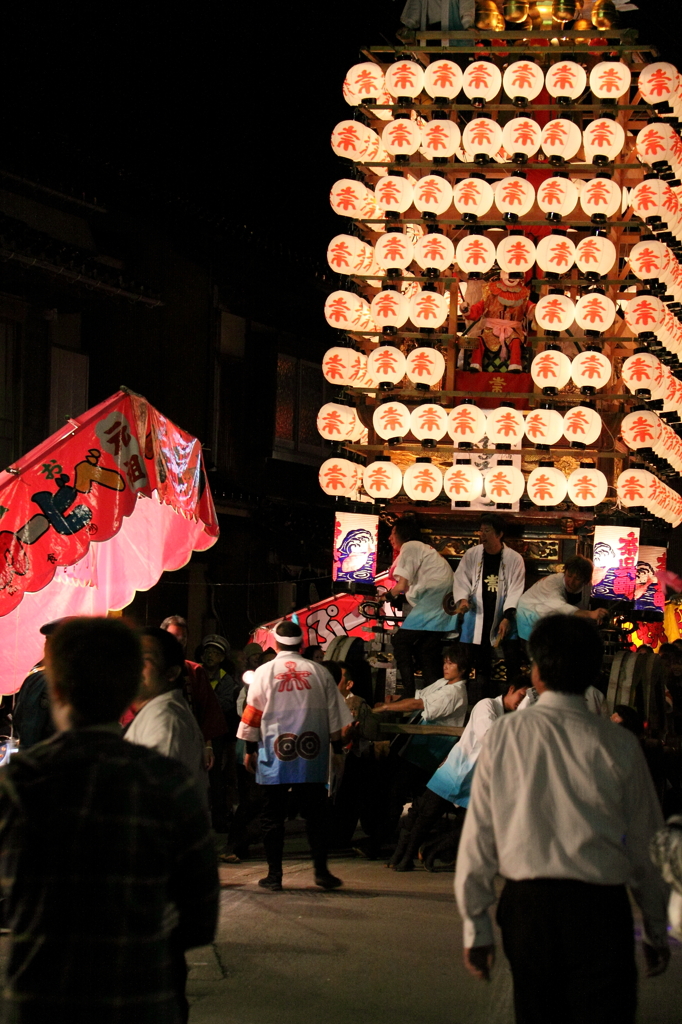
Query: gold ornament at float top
(582, 25)
(515, 11)
(535, 18)
(604, 14)
(488, 16)
(564, 11)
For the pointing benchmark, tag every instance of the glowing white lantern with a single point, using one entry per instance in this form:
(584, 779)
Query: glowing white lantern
(555, 254)
(358, 429)
(482, 136)
(504, 484)
(463, 482)
(391, 420)
(595, 256)
(434, 251)
(551, 369)
(345, 254)
(401, 137)
(658, 83)
(443, 79)
(345, 310)
(405, 78)
(386, 364)
(554, 312)
(523, 80)
(582, 425)
(425, 366)
(587, 487)
(467, 424)
(566, 78)
(481, 81)
(609, 80)
(653, 201)
(429, 309)
(633, 487)
(522, 136)
(544, 428)
(647, 259)
(433, 194)
(335, 421)
(382, 478)
(393, 250)
(440, 138)
(546, 486)
(337, 365)
(557, 197)
(375, 151)
(514, 196)
(600, 198)
(473, 197)
(591, 370)
(561, 139)
(641, 429)
(350, 139)
(394, 194)
(429, 422)
(505, 426)
(366, 80)
(603, 140)
(339, 477)
(516, 254)
(475, 254)
(348, 197)
(644, 314)
(656, 144)
(640, 373)
(422, 480)
(389, 308)
(358, 370)
(594, 313)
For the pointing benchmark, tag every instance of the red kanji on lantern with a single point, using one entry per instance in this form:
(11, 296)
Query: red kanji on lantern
(393, 247)
(546, 365)
(629, 549)
(338, 310)
(359, 368)
(650, 142)
(332, 422)
(340, 255)
(555, 133)
(659, 82)
(598, 192)
(435, 136)
(639, 369)
(347, 198)
(590, 250)
(518, 254)
(386, 361)
(390, 192)
(434, 247)
(523, 132)
(427, 307)
(553, 192)
(444, 75)
(498, 484)
(523, 75)
(462, 421)
(561, 254)
(646, 197)
(646, 260)
(577, 423)
(482, 131)
(349, 138)
(513, 192)
(334, 477)
(602, 135)
(423, 481)
(385, 304)
(468, 193)
(333, 367)
(479, 75)
(379, 478)
(535, 425)
(365, 82)
(584, 487)
(390, 416)
(632, 488)
(591, 366)
(421, 364)
(400, 134)
(403, 75)
(476, 252)
(553, 311)
(641, 430)
(506, 424)
(563, 75)
(609, 79)
(430, 192)
(458, 481)
(542, 487)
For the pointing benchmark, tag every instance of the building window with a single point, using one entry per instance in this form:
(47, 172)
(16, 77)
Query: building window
(301, 391)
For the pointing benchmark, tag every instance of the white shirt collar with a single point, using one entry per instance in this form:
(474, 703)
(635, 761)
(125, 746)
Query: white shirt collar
(568, 701)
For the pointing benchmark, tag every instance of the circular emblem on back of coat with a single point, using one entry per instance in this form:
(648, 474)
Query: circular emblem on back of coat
(308, 745)
(285, 746)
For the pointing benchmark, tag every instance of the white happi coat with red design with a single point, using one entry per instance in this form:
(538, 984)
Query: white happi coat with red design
(292, 707)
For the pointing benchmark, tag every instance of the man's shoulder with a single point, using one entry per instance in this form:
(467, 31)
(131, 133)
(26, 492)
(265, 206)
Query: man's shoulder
(512, 556)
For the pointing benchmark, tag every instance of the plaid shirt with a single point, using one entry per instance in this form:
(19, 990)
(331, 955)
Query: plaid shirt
(109, 872)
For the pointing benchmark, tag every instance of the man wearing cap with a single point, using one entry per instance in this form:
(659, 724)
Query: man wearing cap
(222, 776)
(293, 712)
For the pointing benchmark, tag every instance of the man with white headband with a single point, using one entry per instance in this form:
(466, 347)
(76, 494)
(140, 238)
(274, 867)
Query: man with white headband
(293, 711)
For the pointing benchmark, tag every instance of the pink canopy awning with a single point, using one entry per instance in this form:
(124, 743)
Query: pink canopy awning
(94, 514)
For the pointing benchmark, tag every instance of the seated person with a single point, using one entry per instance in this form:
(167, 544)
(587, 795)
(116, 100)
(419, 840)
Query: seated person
(558, 594)
(445, 701)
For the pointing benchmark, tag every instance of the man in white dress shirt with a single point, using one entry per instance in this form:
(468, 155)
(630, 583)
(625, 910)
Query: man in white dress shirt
(445, 701)
(563, 808)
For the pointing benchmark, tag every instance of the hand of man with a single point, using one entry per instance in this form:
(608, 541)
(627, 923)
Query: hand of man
(502, 631)
(209, 757)
(657, 959)
(462, 606)
(250, 762)
(599, 614)
(479, 960)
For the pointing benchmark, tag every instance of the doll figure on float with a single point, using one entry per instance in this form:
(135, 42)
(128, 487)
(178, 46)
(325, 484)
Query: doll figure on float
(499, 311)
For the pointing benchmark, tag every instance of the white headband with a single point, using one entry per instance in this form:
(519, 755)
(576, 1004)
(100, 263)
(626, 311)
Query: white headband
(289, 641)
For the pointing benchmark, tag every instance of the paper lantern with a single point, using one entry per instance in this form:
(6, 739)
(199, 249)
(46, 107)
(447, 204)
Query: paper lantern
(523, 81)
(656, 144)
(463, 482)
(587, 487)
(644, 314)
(482, 137)
(595, 256)
(334, 421)
(603, 140)
(591, 370)
(521, 136)
(386, 364)
(391, 420)
(554, 312)
(641, 429)
(560, 139)
(422, 481)
(337, 365)
(382, 478)
(555, 254)
(433, 194)
(467, 424)
(544, 428)
(425, 366)
(609, 80)
(654, 202)
(434, 251)
(339, 477)
(345, 254)
(633, 487)
(504, 484)
(345, 310)
(514, 197)
(357, 430)
(429, 309)
(658, 83)
(401, 137)
(358, 369)
(350, 139)
(394, 193)
(551, 369)
(600, 198)
(557, 197)
(566, 79)
(375, 151)
(546, 486)
(443, 79)
(516, 254)
(594, 313)
(393, 250)
(429, 422)
(348, 197)
(641, 372)
(505, 426)
(404, 78)
(475, 254)
(440, 139)
(647, 259)
(389, 308)
(481, 81)
(473, 197)
(582, 425)
(366, 80)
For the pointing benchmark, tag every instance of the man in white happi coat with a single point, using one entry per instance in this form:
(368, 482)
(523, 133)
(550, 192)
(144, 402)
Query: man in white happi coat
(558, 594)
(293, 712)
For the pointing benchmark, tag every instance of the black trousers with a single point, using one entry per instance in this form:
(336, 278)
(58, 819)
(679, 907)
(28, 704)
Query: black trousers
(415, 827)
(424, 645)
(311, 798)
(571, 949)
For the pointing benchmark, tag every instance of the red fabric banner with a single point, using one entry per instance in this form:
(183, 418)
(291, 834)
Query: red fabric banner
(500, 383)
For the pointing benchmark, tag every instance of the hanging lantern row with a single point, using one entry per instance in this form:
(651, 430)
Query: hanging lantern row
(659, 146)
(638, 488)
(349, 312)
(645, 432)
(657, 205)
(652, 261)
(347, 367)
(552, 369)
(648, 378)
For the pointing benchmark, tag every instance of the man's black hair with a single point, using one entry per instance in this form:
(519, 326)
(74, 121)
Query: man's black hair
(568, 652)
(310, 651)
(335, 668)
(289, 628)
(459, 656)
(517, 683)
(496, 522)
(171, 649)
(407, 528)
(579, 566)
